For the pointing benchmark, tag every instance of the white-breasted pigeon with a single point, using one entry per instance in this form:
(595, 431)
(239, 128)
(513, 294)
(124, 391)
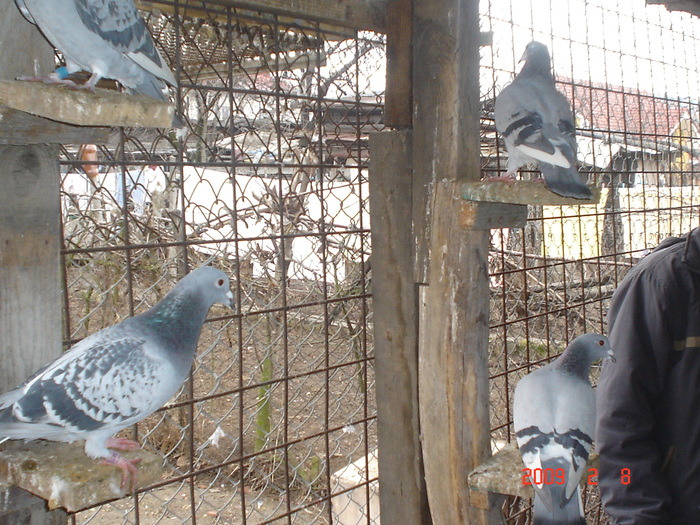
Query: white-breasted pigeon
(554, 423)
(114, 378)
(108, 38)
(537, 125)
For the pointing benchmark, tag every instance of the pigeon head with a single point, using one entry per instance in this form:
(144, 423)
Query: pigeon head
(583, 352)
(212, 283)
(537, 61)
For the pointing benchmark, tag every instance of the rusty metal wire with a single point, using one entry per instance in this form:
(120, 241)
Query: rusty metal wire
(628, 70)
(278, 421)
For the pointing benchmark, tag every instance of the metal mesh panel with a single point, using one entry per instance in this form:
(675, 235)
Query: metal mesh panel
(268, 183)
(629, 72)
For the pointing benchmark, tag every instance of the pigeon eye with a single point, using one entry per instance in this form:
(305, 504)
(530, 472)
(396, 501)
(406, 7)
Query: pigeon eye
(220, 282)
(601, 342)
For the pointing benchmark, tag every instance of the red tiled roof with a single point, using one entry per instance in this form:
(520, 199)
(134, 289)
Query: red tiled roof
(623, 110)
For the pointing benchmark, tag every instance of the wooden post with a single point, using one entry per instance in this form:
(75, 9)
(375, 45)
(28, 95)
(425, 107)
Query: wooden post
(451, 258)
(30, 309)
(401, 484)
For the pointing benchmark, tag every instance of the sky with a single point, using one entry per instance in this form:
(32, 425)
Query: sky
(621, 42)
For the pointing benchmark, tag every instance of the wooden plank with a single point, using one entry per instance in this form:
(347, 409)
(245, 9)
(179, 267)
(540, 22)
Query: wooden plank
(453, 365)
(30, 312)
(398, 107)
(65, 477)
(522, 192)
(502, 473)
(19, 128)
(491, 215)
(402, 487)
(83, 107)
(367, 15)
(446, 105)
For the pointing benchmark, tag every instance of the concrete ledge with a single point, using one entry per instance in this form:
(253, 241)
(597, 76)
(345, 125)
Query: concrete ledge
(521, 192)
(82, 107)
(65, 477)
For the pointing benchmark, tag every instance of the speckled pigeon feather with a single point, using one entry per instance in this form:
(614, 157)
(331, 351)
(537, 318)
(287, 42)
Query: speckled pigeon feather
(119, 375)
(537, 125)
(554, 421)
(106, 37)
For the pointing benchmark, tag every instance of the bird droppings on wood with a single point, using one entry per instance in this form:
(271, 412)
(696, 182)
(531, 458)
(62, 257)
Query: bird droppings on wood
(84, 107)
(65, 477)
(522, 192)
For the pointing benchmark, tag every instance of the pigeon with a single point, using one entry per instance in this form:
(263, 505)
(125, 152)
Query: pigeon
(116, 377)
(537, 125)
(554, 421)
(108, 38)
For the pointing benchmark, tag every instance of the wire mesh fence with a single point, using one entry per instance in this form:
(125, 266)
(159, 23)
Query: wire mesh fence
(624, 67)
(269, 183)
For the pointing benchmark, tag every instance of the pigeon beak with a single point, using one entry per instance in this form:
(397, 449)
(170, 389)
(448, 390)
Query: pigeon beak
(611, 356)
(230, 304)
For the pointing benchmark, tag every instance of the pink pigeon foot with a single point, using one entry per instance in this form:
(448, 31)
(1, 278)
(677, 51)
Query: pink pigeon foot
(122, 444)
(127, 466)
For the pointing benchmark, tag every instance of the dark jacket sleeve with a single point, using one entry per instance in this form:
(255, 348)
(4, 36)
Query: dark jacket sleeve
(640, 335)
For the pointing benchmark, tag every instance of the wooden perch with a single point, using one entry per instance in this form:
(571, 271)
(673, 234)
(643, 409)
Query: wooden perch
(65, 477)
(502, 473)
(521, 192)
(82, 107)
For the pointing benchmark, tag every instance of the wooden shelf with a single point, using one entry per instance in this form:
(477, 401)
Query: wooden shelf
(82, 107)
(521, 192)
(65, 477)
(502, 473)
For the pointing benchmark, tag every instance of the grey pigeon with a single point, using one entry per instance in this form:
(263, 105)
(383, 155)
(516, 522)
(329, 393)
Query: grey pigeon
(554, 421)
(108, 38)
(537, 125)
(117, 376)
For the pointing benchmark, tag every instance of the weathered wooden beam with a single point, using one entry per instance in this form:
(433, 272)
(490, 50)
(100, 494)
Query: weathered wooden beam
(402, 487)
(18, 127)
(367, 15)
(83, 107)
(398, 108)
(522, 192)
(453, 365)
(446, 42)
(488, 215)
(30, 310)
(65, 477)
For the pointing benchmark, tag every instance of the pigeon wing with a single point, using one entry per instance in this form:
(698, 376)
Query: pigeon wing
(25, 12)
(102, 382)
(119, 24)
(554, 418)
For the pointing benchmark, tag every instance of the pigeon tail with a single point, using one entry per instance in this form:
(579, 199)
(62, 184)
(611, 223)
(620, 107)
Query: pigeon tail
(569, 514)
(565, 182)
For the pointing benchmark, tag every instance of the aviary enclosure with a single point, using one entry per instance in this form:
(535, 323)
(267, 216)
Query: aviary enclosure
(271, 182)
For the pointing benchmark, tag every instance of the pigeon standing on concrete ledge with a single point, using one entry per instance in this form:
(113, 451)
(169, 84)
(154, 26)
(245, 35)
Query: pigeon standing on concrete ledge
(537, 125)
(554, 421)
(117, 376)
(108, 38)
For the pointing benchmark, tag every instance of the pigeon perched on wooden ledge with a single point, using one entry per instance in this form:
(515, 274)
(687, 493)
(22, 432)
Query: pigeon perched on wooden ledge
(116, 377)
(107, 38)
(554, 421)
(537, 125)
